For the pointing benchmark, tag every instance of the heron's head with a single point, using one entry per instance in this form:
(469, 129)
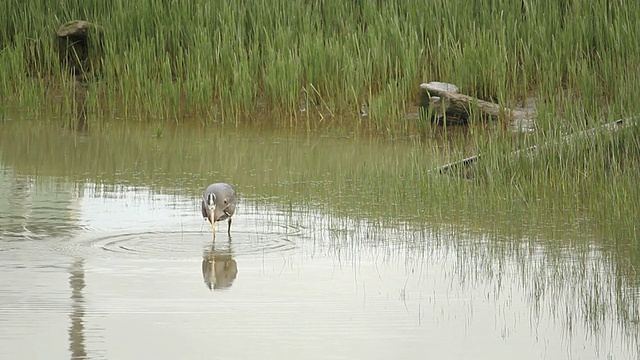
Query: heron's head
(211, 205)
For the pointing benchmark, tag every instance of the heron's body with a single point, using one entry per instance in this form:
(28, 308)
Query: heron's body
(219, 203)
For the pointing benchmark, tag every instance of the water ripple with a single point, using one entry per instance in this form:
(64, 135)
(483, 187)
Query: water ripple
(174, 244)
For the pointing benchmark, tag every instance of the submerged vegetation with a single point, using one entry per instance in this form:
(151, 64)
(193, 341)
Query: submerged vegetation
(313, 60)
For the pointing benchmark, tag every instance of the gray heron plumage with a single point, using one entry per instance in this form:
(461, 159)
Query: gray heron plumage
(218, 204)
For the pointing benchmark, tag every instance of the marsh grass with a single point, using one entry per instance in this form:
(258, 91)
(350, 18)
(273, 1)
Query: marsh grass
(233, 61)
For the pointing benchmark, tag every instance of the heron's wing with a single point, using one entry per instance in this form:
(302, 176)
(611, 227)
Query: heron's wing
(230, 209)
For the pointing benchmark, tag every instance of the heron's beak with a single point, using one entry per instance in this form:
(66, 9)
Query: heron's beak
(212, 219)
(213, 227)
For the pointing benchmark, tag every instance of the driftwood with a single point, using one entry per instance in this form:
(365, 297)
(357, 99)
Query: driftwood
(612, 126)
(442, 99)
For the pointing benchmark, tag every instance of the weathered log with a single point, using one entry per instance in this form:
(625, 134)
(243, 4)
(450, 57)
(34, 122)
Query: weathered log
(437, 108)
(612, 126)
(460, 105)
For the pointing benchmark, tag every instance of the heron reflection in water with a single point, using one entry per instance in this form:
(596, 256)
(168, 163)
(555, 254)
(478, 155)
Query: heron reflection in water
(219, 269)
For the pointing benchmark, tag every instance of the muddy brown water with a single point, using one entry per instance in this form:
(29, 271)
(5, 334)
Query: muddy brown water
(104, 254)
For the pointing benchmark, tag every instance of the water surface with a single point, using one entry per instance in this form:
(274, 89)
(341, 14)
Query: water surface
(104, 254)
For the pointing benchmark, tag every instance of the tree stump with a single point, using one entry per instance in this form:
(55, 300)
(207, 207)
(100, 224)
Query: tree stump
(73, 46)
(75, 41)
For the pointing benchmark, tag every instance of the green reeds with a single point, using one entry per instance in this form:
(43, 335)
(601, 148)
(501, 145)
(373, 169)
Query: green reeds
(230, 61)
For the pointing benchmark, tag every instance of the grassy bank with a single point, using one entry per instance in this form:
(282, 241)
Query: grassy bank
(231, 61)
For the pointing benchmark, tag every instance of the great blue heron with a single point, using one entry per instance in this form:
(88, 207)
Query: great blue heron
(219, 203)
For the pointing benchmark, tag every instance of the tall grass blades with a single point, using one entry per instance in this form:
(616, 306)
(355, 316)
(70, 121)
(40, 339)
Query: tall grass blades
(227, 61)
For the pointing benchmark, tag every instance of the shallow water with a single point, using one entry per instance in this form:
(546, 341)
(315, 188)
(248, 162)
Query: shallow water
(104, 254)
